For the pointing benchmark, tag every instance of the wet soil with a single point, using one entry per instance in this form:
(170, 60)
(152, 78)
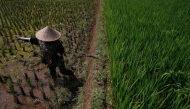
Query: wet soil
(27, 81)
(39, 90)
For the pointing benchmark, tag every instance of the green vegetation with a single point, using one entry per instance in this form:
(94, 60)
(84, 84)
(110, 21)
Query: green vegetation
(11, 87)
(149, 53)
(74, 19)
(99, 99)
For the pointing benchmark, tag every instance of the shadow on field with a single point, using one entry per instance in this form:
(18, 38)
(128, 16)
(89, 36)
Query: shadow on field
(72, 84)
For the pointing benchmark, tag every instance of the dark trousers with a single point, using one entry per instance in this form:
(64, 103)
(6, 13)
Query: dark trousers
(62, 68)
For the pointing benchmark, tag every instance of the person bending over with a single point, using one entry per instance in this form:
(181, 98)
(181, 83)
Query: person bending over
(50, 45)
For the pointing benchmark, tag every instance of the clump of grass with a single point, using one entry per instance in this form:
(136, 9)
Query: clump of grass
(100, 77)
(42, 91)
(55, 97)
(44, 95)
(16, 100)
(22, 90)
(19, 84)
(31, 92)
(61, 98)
(11, 87)
(35, 76)
(29, 82)
(98, 98)
(12, 91)
(26, 76)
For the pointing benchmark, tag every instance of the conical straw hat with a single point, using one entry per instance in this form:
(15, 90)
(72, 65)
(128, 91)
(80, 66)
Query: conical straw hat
(48, 34)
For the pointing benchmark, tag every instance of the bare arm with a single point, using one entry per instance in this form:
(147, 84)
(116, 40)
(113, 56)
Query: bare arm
(18, 37)
(31, 40)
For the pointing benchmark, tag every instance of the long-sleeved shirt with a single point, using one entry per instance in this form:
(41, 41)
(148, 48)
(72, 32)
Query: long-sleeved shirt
(51, 51)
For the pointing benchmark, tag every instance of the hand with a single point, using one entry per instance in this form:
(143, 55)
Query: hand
(17, 37)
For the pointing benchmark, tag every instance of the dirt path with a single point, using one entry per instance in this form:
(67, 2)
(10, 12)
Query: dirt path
(89, 82)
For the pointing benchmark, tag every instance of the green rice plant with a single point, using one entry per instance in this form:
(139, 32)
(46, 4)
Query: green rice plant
(20, 85)
(35, 76)
(29, 82)
(42, 91)
(41, 85)
(11, 87)
(31, 92)
(16, 100)
(149, 53)
(44, 95)
(22, 90)
(26, 76)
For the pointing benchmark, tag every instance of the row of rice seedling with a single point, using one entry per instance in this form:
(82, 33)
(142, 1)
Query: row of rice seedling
(25, 19)
(26, 87)
(74, 19)
(149, 53)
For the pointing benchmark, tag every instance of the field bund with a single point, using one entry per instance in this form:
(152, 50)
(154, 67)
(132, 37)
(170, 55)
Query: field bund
(149, 50)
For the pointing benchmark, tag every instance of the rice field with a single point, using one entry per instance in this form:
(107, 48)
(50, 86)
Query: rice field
(149, 53)
(24, 81)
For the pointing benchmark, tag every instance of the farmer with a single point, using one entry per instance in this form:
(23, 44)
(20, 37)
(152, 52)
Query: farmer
(51, 49)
